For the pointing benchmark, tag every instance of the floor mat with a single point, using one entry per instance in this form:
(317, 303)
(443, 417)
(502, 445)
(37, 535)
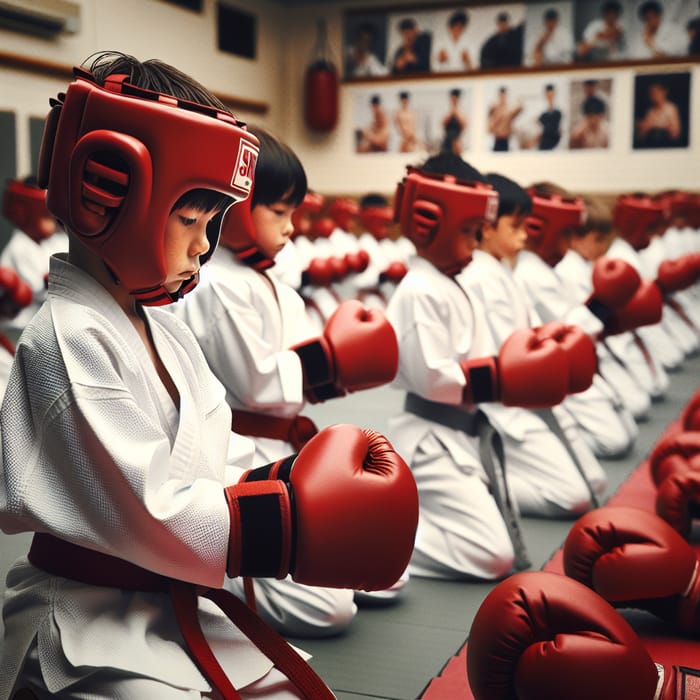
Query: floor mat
(664, 647)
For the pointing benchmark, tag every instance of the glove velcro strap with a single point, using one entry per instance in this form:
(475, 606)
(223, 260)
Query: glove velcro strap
(599, 309)
(316, 362)
(261, 529)
(275, 470)
(482, 382)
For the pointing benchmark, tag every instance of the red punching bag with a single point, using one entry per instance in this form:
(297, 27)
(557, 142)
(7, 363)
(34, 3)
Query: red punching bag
(321, 86)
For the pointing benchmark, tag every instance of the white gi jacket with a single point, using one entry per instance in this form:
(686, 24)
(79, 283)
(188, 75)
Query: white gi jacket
(460, 530)
(95, 452)
(31, 262)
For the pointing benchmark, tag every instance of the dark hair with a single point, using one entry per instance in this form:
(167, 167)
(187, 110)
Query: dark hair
(612, 6)
(598, 217)
(593, 105)
(279, 174)
(373, 199)
(502, 17)
(551, 13)
(366, 28)
(407, 23)
(649, 6)
(455, 92)
(458, 17)
(448, 163)
(404, 95)
(549, 86)
(158, 76)
(512, 198)
(375, 100)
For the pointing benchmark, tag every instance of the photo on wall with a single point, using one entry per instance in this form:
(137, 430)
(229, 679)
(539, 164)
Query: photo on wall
(661, 110)
(404, 40)
(528, 114)
(590, 110)
(412, 118)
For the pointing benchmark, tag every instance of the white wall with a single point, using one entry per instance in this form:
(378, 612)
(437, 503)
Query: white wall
(151, 28)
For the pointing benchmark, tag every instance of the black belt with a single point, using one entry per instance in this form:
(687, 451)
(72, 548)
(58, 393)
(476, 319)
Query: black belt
(477, 424)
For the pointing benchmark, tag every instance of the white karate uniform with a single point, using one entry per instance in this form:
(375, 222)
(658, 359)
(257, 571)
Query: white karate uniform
(95, 452)
(461, 532)
(607, 425)
(321, 301)
(245, 332)
(367, 285)
(661, 338)
(31, 262)
(636, 379)
(545, 479)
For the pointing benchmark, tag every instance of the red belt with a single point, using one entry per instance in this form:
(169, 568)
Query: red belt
(297, 431)
(61, 558)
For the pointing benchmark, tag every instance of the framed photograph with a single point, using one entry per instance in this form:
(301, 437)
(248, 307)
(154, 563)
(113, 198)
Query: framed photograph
(417, 41)
(412, 118)
(590, 109)
(661, 110)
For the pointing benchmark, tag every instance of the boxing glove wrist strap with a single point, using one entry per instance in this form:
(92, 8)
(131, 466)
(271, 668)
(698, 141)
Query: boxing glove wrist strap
(599, 309)
(482, 381)
(316, 362)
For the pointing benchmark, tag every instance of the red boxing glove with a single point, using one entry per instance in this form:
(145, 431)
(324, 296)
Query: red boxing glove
(580, 351)
(15, 293)
(358, 350)
(678, 498)
(690, 416)
(318, 273)
(352, 521)
(394, 272)
(529, 371)
(644, 309)
(672, 454)
(339, 268)
(357, 260)
(542, 636)
(614, 283)
(634, 559)
(676, 274)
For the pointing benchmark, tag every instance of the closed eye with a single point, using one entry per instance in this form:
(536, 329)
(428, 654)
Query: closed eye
(187, 220)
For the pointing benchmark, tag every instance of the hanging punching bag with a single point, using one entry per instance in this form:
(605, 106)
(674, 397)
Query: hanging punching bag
(321, 86)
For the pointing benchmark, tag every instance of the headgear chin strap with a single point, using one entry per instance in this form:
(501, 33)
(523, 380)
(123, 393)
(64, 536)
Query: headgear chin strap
(116, 158)
(25, 206)
(637, 215)
(552, 216)
(433, 211)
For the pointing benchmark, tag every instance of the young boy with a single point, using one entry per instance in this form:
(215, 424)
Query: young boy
(551, 469)
(468, 525)
(606, 424)
(117, 449)
(37, 236)
(253, 332)
(627, 364)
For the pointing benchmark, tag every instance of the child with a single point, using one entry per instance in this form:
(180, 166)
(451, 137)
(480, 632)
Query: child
(36, 237)
(117, 446)
(551, 469)
(626, 362)
(467, 526)
(253, 332)
(606, 424)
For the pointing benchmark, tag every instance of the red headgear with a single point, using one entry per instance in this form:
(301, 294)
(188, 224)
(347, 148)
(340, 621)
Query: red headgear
(552, 216)
(344, 212)
(311, 206)
(25, 206)
(637, 215)
(377, 220)
(116, 158)
(433, 210)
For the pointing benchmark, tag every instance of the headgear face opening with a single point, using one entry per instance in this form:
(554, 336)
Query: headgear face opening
(25, 206)
(553, 216)
(637, 216)
(434, 211)
(116, 158)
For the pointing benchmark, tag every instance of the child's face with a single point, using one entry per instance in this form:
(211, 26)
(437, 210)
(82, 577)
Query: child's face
(592, 245)
(185, 241)
(273, 226)
(506, 238)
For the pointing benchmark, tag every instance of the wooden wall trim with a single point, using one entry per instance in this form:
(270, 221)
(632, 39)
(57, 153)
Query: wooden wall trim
(60, 70)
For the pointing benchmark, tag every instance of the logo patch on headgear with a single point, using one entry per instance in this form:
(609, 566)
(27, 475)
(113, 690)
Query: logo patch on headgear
(491, 213)
(244, 172)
